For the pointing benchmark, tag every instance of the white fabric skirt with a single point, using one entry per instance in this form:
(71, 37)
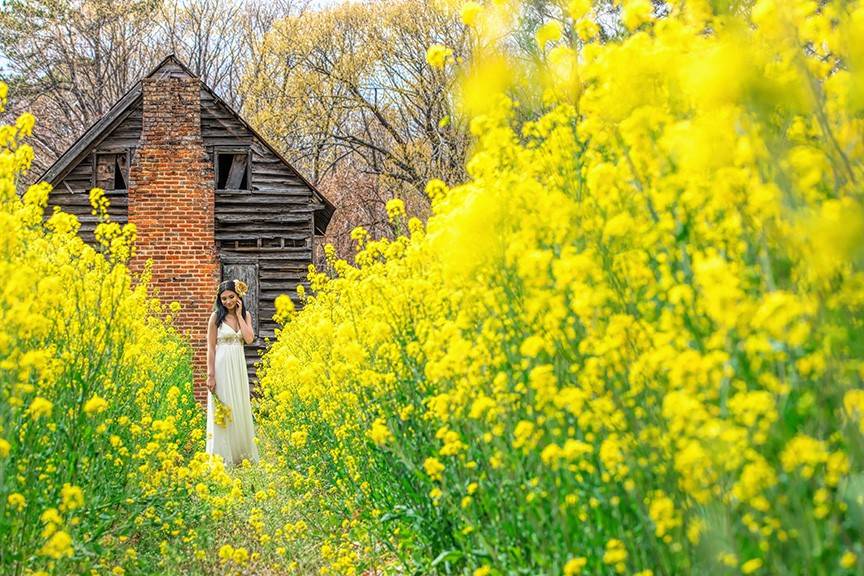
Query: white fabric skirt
(236, 441)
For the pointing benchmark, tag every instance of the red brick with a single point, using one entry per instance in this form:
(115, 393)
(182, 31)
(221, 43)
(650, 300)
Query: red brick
(171, 202)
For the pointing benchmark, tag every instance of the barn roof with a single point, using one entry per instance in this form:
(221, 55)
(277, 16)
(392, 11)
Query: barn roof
(70, 158)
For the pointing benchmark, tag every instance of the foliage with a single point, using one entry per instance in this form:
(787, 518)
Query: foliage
(632, 342)
(347, 87)
(99, 436)
(69, 61)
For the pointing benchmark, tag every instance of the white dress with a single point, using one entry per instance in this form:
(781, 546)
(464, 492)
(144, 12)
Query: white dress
(236, 440)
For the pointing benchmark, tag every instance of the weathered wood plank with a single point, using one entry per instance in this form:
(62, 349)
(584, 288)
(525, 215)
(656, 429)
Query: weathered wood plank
(85, 192)
(281, 189)
(254, 209)
(293, 232)
(269, 287)
(225, 141)
(227, 236)
(258, 218)
(227, 196)
(294, 254)
(91, 221)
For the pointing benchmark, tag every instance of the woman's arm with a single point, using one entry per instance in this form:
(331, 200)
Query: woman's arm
(211, 353)
(244, 319)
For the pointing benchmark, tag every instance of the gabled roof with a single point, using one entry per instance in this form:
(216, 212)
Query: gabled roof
(123, 107)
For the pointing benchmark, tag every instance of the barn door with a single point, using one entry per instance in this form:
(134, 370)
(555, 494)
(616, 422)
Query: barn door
(248, 273)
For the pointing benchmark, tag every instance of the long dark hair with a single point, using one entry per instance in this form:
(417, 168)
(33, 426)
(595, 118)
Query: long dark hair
(218, 307)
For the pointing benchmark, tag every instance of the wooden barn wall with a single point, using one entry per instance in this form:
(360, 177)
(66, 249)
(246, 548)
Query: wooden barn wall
(72, 193)
(270, 226)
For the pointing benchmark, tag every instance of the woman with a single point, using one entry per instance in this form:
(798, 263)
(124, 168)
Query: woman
(230, 325)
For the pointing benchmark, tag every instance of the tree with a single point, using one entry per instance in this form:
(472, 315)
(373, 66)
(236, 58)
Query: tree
(218, 39)
(69, 61)
(351, 84)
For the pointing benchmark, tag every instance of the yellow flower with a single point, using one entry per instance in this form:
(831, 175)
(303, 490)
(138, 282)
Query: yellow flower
(395, 209)
(39, 407)
(435, 494)
(434, 468)
(299, 438)
(805, 453)
(663, 514)
(284, 308)
(574, 566)
(751, 565)
(72, 497)
(756, 478)
(548, 32)
(533, 345)
(436, 190)
(95, 405)
(223, 415)
(57, 546)
(16, 501)
(636, 13)
(50, 516)
(631, 282)
(359, 235)
(405, 412)
(728, 559)
(848, 560)
(437, 55)
(226, 552)
(579, 8)
(4, 448)
(587, 29)
(240, 555)
(615, 554)
(379, 433)
(24, 123)
(523, 434)
(470, 11)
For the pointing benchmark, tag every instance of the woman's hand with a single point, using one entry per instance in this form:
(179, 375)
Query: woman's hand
(211, 383)
(238, 310)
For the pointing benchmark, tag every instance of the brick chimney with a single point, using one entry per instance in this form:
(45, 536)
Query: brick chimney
(172, 204)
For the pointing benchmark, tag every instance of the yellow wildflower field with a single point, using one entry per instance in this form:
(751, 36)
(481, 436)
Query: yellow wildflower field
(632, 342)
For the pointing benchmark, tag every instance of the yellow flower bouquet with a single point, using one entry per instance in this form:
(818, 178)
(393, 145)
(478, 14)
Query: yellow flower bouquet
(223, 416)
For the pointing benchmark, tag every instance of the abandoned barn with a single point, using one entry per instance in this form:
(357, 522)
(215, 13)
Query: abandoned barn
(210, 199)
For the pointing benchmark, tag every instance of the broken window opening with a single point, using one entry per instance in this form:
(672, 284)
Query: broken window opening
(232, 171)
(112, 171)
